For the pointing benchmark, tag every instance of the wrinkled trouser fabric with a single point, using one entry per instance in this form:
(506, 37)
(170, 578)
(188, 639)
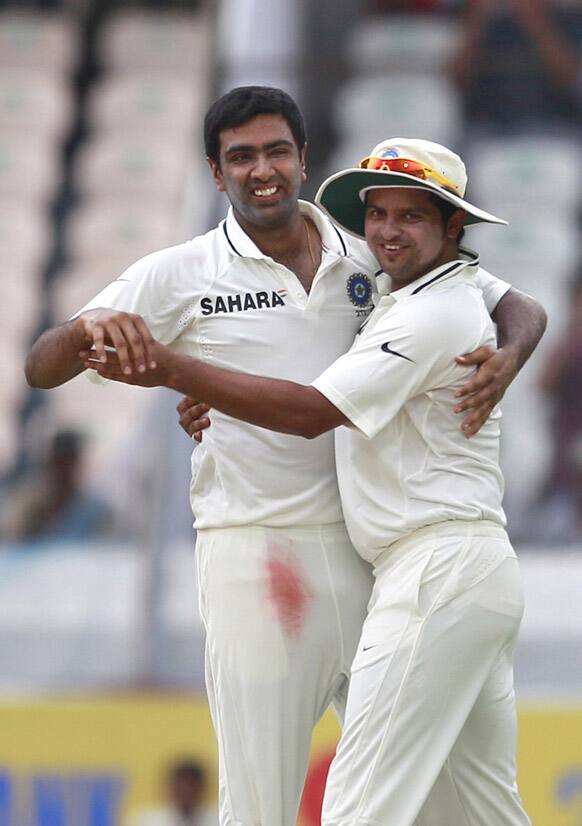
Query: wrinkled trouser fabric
(430, 728)
(283, 611)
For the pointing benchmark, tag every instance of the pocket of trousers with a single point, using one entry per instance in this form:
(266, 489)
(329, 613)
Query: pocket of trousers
(481, 558)
(395, 605)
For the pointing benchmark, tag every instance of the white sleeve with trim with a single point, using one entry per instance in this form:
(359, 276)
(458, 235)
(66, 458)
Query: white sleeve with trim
(492, 288)
(411, 350)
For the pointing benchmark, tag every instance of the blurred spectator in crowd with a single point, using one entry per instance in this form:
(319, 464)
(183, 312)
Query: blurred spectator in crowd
(560, 501)
(52, 504)
(519, 63)
(186, 784)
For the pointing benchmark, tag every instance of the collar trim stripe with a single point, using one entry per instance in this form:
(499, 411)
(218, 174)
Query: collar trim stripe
(231, 245)
(439, 275)
(341, 240)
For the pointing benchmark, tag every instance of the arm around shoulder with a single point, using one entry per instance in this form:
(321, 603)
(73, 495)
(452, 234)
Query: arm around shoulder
(521, 322)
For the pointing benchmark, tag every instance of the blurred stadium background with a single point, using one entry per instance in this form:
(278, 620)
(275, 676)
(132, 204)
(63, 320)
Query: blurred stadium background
(101, 162)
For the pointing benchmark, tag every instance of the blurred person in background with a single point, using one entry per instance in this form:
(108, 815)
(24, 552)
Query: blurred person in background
(275, 288)
(51, 503)
(558, 511)
(519, 63)
(185, 790)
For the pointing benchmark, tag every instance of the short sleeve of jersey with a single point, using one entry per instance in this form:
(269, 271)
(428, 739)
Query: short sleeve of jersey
(162, 287)
(493, 289)
(410, 351)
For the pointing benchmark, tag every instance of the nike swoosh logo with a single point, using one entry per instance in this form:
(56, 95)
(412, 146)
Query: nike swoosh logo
(367, 647)
(386, 349)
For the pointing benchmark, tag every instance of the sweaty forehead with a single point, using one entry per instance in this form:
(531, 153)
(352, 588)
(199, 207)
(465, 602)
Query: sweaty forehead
(256, 132)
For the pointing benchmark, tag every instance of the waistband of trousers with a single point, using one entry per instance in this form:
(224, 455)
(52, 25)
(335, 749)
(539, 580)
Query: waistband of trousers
(332, 528)
(454, 527)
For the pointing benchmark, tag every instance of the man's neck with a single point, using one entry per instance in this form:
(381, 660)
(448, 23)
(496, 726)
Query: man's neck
(279, 242)
(448, 258)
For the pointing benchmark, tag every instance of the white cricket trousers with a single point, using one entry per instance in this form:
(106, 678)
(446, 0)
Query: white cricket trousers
(430, 728)
(283, 610)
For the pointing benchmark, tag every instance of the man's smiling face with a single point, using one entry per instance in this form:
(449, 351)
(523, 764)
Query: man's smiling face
(261, 170)
(406, 232)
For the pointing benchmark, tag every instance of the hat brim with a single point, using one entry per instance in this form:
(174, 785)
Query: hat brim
(342, 197)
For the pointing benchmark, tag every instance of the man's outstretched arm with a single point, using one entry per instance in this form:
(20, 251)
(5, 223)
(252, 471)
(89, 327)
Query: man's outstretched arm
(283, 406)
(521, 322)
(54, 357)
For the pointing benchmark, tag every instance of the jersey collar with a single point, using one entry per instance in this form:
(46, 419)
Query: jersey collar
(239, 243)
(466, 264)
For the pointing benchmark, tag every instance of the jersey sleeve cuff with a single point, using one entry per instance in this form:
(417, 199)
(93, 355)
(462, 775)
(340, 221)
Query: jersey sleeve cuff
(357, 420)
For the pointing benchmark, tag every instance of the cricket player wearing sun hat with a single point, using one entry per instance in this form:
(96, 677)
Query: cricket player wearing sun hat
(429, 736)
(431, 703)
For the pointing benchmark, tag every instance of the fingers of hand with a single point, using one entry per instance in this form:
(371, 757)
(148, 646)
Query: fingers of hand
(489, 395)
(97, 334)
(193, 420)
(134, 344)
(482, 379)
(111, 370)
(127, 333)
(185, 403)
(477, 357)
(196, 427)
(476, 419)
(148, 343)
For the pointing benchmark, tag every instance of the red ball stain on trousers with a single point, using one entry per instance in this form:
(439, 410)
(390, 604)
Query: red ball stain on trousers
(287, 589)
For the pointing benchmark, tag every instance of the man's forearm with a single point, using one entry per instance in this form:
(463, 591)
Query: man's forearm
(521, 322)
(283, 406)
(54, 357)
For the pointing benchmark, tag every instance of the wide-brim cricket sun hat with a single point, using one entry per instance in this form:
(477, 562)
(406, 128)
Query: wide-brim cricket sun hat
(398, 162)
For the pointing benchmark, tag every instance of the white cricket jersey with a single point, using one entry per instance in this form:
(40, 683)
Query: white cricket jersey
(404, 463)
(220, 299)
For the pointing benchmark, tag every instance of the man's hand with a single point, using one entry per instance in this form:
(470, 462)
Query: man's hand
(126, 332)
(192, 417)
(496, 369)
(114, 369)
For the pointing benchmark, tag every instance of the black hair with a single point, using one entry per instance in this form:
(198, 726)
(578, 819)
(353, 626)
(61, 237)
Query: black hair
(245, 102)
(188, 770)
(446, 209)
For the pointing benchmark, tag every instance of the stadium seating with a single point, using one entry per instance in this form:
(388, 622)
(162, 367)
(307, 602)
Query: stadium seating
(25, 236)
(28, 171)
(369, 106)
(134, 165)
(133, 41)
(541, 173)
(32, 101)
(147, 102)
(401, 45)
(105, 230)
(37, 41)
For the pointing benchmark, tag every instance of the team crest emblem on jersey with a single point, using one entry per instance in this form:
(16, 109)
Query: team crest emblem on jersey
(359, 290)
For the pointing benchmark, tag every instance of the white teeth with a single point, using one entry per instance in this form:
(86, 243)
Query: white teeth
(391, 247)
(264, 193)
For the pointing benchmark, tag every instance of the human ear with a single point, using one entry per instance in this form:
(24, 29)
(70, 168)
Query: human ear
(456, 223)
(302, 158)
(216, 174)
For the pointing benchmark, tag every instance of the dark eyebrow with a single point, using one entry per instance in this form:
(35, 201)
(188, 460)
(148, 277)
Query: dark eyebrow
(244, 147)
